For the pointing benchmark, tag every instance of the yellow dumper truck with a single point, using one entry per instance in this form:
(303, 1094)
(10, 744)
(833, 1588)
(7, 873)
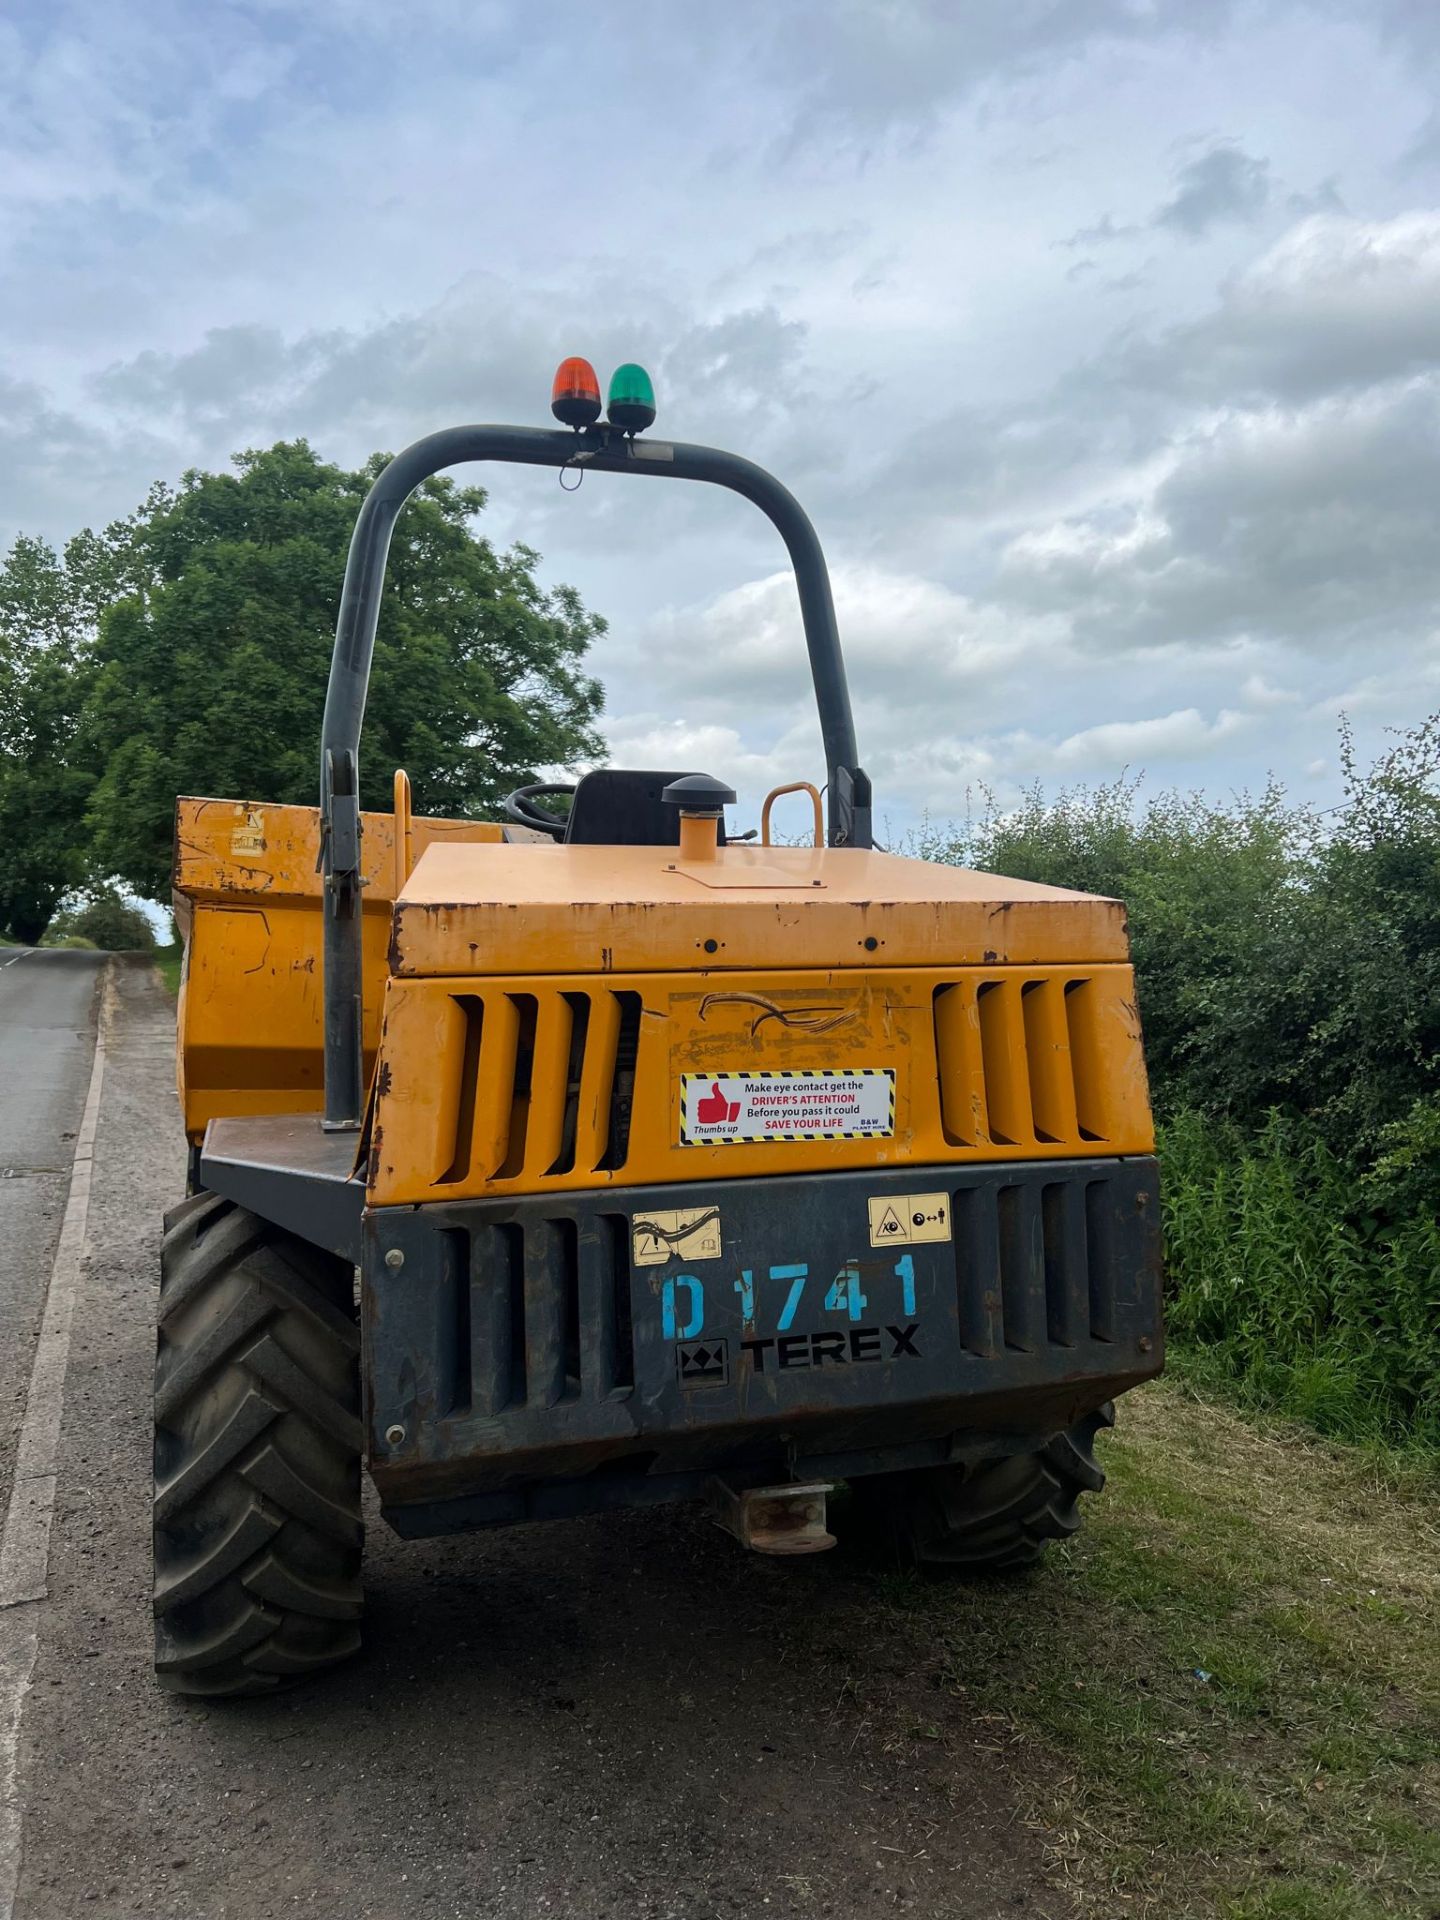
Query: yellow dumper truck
(671, 1166)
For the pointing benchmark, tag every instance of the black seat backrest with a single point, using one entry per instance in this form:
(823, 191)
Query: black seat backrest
(614, 807)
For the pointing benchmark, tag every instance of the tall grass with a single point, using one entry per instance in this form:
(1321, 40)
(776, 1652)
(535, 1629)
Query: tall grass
(1284, 1286)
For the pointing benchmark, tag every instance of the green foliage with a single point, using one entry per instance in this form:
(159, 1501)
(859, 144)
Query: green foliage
(1288, 971)
(212, 678)
(103, 920)
(48, 604)
(1211, 893)
(186, 649)
(1311, 1290)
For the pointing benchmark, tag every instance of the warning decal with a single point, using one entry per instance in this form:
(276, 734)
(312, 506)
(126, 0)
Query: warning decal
(855, 1103)
(902, 1219)
(249, 835)
(684, 1233)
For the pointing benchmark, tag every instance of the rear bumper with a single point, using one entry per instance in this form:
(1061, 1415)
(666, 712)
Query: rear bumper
(531, 1356)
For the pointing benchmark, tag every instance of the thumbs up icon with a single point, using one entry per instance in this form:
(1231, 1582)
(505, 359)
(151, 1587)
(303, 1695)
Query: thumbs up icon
(713, 1109)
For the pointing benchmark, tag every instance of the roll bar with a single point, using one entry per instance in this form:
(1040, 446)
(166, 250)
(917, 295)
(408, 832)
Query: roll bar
(607, 450)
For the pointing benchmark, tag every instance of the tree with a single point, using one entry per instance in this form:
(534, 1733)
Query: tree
(49, 604)
(106, 921)
(210, 667)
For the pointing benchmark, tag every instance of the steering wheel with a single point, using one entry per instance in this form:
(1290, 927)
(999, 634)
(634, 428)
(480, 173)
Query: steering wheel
(520, 806)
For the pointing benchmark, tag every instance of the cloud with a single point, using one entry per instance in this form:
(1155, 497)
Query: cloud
(1312, 526)
(1336, 310)
(462, 357)
(1222, 185)
(63, 470)
(1099, 234)
(1101, 498)
(875, 67)
(906, 638)
(1183, 735)
(1335, 303)
(1297, 499)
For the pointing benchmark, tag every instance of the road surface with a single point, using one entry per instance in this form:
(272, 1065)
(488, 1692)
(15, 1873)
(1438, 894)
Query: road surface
(624, 1717)
(47, 1033)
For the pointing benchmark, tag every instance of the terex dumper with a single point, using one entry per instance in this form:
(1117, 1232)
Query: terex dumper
(672, 1167)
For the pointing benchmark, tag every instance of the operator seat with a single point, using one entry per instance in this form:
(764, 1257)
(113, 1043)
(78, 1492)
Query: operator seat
(615, 807)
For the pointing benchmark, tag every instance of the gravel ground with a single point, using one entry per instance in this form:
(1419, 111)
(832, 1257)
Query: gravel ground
(625, 1716)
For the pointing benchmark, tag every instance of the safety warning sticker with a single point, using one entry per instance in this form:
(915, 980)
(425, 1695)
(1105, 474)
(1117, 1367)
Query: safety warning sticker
(902, 1219)
(688, 1233)
(248, 835)
(843, 1103)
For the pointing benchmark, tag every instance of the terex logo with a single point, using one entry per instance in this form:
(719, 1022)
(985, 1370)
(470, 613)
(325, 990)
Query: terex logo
(714, 1110)
(791, 1350)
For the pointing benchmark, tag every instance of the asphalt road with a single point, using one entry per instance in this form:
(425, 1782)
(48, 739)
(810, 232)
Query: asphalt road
(622, 1717)
(47, 1034)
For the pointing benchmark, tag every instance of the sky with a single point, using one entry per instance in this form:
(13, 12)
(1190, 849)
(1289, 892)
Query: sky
(1100, 338)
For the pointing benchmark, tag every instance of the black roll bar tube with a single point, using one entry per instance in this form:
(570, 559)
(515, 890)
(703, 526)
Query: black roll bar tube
(603, 448)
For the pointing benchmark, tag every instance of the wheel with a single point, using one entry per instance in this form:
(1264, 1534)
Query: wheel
(992, 1517)
(257, 1455)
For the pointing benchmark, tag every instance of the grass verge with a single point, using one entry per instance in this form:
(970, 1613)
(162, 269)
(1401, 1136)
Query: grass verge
(1233, 1674)
(167, 965)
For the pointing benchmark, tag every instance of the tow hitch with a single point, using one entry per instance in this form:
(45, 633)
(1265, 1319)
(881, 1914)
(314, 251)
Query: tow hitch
(787, 1519)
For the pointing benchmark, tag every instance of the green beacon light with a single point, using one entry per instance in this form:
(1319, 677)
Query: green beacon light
(631, 405)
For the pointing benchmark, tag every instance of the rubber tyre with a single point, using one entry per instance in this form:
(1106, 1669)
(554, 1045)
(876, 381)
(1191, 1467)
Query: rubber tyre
(990, 1518)
(258, 1440)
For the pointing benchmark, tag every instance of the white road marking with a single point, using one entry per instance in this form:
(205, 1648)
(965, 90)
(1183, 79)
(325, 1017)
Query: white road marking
(25, 1543)
(23, 954)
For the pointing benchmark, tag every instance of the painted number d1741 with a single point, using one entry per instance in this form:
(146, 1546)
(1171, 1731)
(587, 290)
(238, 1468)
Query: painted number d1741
(778, 1293)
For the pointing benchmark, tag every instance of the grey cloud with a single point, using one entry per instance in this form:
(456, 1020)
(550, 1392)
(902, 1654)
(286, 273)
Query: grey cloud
(1222, 185)
(463, 358)
(1335, 308)
(1335, 304)
(870, 67)
(1315, 528)
(1203, 498)
(1263, 476)
(1100, 234)
(63, 470)
(1324, 198)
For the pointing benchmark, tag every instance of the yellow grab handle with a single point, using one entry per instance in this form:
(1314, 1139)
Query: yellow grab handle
(795, 786)
(404, 856)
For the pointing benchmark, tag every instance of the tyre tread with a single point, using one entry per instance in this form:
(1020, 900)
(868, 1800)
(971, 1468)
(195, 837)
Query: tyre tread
(258, 1527)
(996, 1517)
